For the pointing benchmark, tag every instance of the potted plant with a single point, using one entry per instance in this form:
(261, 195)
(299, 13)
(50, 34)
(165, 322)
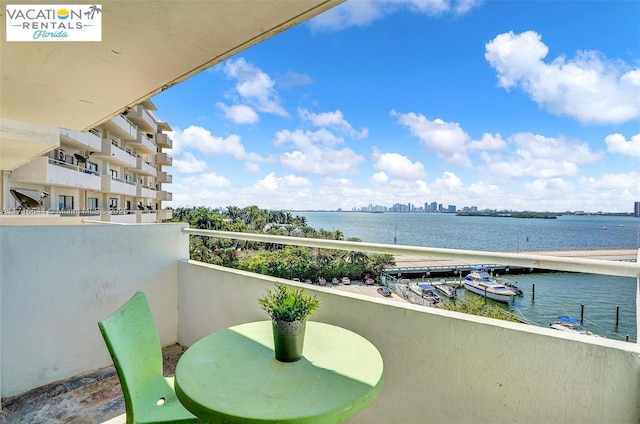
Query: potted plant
(289, 309)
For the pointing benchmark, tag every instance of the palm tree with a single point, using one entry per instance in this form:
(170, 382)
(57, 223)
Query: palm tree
(93, 9)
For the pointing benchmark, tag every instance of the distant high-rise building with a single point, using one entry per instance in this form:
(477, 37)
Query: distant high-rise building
(636, 209)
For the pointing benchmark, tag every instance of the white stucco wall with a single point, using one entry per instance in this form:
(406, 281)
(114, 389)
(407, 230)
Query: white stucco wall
(443, 366)
(56, 283)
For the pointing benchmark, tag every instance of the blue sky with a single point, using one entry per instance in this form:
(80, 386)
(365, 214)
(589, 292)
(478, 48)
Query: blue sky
(498, 104)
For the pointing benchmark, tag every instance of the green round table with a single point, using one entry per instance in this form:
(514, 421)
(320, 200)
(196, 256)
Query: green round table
(232, 376)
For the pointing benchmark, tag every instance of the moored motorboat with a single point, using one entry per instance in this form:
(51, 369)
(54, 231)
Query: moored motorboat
(428, 293)
(446, 290)
(571, 325)
(511, 285)
(480, 282)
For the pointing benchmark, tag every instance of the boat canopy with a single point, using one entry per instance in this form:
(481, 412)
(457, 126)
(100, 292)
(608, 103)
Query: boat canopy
(425, 286)
(567, 318)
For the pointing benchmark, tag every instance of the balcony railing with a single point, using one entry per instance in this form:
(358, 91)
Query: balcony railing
(82, 140)
(144, 167)
(142, 118)
(163, 140)
(163, 159)
(164, 177)
(440, 366)
(142, 143)
(115, 153)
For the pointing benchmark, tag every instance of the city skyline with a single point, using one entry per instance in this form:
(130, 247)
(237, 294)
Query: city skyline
(494, 104)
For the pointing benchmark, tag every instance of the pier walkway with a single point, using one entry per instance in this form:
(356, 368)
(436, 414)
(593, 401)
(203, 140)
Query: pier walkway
(407, 265)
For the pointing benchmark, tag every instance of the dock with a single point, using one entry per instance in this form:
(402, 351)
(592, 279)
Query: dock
(436, 267)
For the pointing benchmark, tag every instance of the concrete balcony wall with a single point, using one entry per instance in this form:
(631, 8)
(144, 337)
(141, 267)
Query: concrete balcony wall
(164, 214)
(143, 143)
(145, 168)
(142, 191)
(442, 366)
(117, 154)
(163, 140)
(163, 159)
(164, 177)
(58, 281)
(120, 127)
(44, 170)
(142, 118)
(86, 139)
(118, 186)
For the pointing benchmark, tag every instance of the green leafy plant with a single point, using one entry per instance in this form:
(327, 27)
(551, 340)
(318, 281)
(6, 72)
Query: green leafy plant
(285, 303)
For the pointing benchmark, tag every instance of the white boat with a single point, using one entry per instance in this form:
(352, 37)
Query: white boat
(446, 290)
(428, 293)
(480, 282)
(571, 325)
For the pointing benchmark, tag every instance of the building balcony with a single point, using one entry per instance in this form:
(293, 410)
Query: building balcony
(163, 140)
(163, 214)
(163, 159)
(145, 168)
(120, 127)
(142, 118)
(143, 143)
(116, 185)
(164, 177)
(116, 154)
(494, 371)
(146, 192)
(164, 196)
(80, 140)
(46, 171)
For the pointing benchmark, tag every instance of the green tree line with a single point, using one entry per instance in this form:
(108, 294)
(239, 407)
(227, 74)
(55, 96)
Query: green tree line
(274, 259)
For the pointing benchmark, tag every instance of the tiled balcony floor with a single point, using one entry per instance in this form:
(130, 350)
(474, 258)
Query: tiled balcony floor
(91, 398)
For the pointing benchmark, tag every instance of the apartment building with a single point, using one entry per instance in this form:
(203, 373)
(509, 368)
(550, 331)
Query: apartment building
(115, 172)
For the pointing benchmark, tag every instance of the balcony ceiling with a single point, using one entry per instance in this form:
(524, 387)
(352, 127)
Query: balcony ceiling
(146, 47)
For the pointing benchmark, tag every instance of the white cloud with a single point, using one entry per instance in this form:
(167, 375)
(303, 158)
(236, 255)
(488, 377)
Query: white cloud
(254, 86)
(334, 120)
(272, 183)
(239, 114)
(188, 164)
(363, 12)
(537, 156)
(316, 154)
(201, 139)
(207, 180)
(616, 143)
(589, 87)
(488, 142)
(446, 139)
(293, 79)
(379, 177)
(399, 166)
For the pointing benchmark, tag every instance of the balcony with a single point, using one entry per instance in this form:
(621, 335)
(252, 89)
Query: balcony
(164, 196)
(142, 143)
(46, 171)
(164, 177)
(163, 140)
(495, 371)
(142, 118)
(163, 214)
(145, 191)
(116, 154)
(81, 140)
(121, 128)
(163, 159)
(116, 185)
(145, 168)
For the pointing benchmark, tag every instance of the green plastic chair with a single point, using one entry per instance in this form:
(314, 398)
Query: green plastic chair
(132, 338)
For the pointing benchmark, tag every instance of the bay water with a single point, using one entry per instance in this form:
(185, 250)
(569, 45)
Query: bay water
(557, 293)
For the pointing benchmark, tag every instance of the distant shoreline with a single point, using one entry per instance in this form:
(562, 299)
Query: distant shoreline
(499, 214)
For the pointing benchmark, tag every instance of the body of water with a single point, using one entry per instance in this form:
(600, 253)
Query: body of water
(555, 293)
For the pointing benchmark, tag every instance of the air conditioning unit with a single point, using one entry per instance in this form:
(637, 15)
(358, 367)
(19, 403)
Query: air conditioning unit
(59, 154)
